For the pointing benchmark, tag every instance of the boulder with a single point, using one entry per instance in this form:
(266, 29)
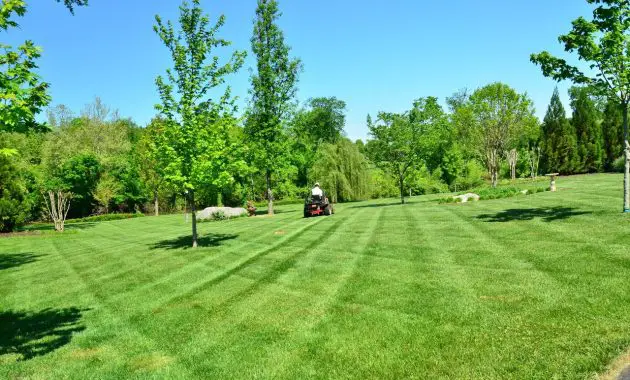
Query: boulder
(466, 197)
(229, 212)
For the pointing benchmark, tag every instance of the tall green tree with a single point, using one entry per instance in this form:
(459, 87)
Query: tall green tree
(585, 121)
(604, 43)
(499, 117)
(558, 141)
(394, 147)
(612, 130)
(195, 123)
(151, 165)
(320, 122)
(342, 171)
(273, 88)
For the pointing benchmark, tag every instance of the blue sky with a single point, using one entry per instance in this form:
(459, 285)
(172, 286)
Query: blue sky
(375, 55)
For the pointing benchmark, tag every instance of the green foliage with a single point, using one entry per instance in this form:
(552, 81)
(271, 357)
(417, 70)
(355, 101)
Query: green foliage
(104, 218)
(321, 121)
(342, 171)
(23, 92)
(487, 193)
(395, 147)
(78, 175)
(195, 141)
(585, 122)
(619, 164)
(558, 140)
(612, 130)
(601, 42)
(273, 88)
(471, 176)
(382, 184)
(499, 119)
(15, 206)
(423, 182)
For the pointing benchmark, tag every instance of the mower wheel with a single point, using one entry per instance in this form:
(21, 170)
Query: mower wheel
(328, 210)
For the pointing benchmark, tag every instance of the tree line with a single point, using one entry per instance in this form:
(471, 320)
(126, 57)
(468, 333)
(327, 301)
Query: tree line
(199, 150)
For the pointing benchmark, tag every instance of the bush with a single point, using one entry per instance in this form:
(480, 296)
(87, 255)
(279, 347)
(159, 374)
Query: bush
(620, 164)
(105, 218)
(15, 207)
(471, 177)
(219, 215)
(487, 193)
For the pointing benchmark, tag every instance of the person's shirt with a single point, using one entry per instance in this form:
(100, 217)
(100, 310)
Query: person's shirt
(317, 191)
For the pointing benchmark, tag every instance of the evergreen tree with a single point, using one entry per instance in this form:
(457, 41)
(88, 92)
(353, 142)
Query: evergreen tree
(273, 88)
(558, 141)
(587, 129)
(612, 130)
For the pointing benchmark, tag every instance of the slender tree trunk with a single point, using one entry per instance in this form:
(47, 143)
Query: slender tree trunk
(626, 176)
(156, 204)
(402, 190)
(269, 194)
(494, 177)
(193, 215)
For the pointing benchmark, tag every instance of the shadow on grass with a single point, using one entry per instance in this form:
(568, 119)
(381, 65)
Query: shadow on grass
(547, 214)
(374, 205)
(67, 227)
(12, 260)
(37, 333)
(183, 242)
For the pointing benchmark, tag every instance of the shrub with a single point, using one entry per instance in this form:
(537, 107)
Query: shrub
(620, 164)
(105, 217)
(487, 193)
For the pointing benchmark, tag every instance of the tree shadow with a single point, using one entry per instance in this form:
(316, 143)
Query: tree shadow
(67, 226)
(183, 242)
(375, 205)
(12, 260)
(547, 214)
(31, 334)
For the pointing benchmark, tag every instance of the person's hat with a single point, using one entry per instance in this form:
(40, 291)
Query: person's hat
(316, 184)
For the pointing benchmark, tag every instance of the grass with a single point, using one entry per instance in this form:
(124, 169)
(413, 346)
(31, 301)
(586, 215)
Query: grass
(525, 287)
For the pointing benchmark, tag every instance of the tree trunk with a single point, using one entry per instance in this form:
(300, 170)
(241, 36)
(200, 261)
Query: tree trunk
(269, 194)
(402, 190)
(494, 177)
(626, 175)
(193, 215)
(156, 203)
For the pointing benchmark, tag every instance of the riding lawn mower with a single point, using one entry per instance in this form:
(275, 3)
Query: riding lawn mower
(316, 205)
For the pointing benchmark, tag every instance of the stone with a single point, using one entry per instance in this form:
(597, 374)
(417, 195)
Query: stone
(466, 197)
(229, 212)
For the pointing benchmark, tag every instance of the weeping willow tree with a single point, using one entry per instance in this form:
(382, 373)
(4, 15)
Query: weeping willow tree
(342, 171)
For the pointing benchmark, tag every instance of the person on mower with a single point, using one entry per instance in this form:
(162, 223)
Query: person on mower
(317, 191)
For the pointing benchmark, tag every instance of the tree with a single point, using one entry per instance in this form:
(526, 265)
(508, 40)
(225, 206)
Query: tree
(273, 88)
(585, 121)
(342, 171)
(603, 43)
(499, 117)
(22, 92)
(558, 141)
(612, 129)
(195, 124)
(321, 122)
(151, 166)
(58, 205)
(394, 147)
(106, 189)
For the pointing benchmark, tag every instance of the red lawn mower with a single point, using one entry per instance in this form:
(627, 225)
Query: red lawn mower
(316, 205)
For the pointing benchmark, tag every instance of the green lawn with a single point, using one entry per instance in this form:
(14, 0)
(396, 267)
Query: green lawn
(529, 287)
